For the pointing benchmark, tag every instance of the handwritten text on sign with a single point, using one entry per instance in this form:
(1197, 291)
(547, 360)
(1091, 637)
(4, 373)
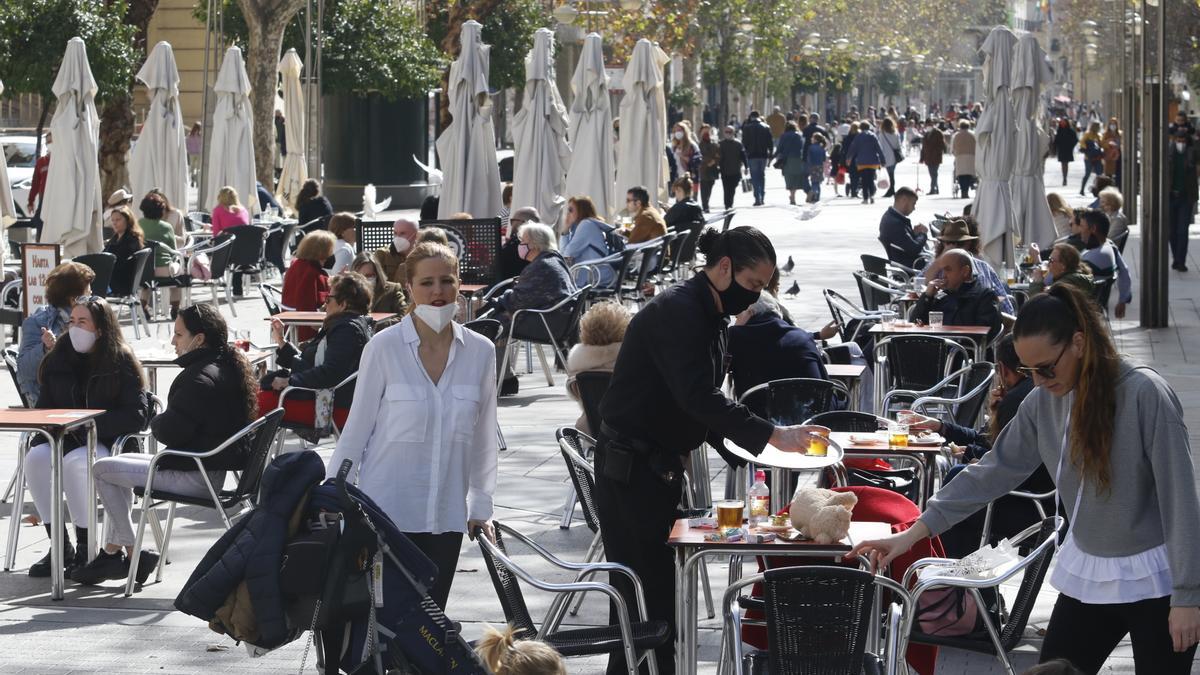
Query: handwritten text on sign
(38, 260)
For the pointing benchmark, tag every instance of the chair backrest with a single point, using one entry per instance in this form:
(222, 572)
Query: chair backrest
(817, 618)
(143, 262)
(373, 234)
(573, 444)
(793, 400)
(873, 291)
(977, 381)
(850, 421)
(219, 254)
(918, 362)
(1120, 240)
(508, 589)
(489, 328)
(195, 219)
(874, 264)
(259, 440)
(685, 246)
(272, 297)
(592, 385)
(651, 253)
(480, 239)
(102, 265)
(1031, 583)
(248, 244)
(1102, 290)
(728, 220)
(10, 360)
(563, 322)
(664, 254)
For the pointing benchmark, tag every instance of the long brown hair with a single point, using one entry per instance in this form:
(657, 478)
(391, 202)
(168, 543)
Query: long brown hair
(204, 319)
(132, 227)
(1058, 314)
(110, 350)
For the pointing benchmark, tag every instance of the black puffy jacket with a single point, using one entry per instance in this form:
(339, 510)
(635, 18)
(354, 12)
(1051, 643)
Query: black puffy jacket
(70, 380)
(756, 137)
(252, 551)
(345, 335)
(206, 405)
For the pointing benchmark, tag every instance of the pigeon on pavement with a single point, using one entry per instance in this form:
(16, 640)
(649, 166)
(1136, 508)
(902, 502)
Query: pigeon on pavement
(794, 290)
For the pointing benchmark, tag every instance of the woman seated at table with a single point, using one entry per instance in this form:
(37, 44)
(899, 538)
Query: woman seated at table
(92, 368)
(228, 212)
(1010, 514)
(324, 361)
(172, 216)
(214, 397)
(583, 240)
(685, 212)
(155, 229)
(387, 297)
(39, 331)
(544, 283)
(601, 331)
(1064, 266)
(127, 240)
(343, 226)
(306, 283)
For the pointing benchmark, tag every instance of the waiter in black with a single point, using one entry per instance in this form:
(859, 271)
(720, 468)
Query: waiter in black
(664, 401)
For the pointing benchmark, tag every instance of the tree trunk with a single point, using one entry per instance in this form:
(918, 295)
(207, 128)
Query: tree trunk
(116, 135)
(266, 20)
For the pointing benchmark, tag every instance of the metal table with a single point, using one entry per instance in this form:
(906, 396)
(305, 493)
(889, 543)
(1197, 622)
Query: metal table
(293, 319)
(784, 463)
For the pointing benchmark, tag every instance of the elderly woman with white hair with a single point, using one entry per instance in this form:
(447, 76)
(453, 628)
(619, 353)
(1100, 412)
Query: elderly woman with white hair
(543, 283)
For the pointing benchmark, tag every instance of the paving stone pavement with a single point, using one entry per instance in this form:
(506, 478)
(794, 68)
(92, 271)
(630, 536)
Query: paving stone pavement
(96, 630)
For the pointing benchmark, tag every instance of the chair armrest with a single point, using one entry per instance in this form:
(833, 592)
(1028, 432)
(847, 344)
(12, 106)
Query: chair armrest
(498, 287)
(290, 388)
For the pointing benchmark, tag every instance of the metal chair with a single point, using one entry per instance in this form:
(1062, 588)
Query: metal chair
(248, 257)
(102, 265)
(960, 396)
(849, 421)
(1120, 240)
(218, 251)
(853, 322)
(1102, 291)
(133, 301)
(1000, 639)
(637, 639)
(877, 291)
(278, 238)
(793, 400)
(259, 436)
(10, 361)
(285, 426)
(574, 445)
(556, 326)
(914, 363)
(818, 621)
(886, 268)
(273, 298)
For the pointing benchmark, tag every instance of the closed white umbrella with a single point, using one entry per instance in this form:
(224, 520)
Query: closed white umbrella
(642, 159)
(72, 209)
(995, 149)
(539, 132)
(159, 157)
(1031, 213)
(591, 131)
(231, 149)
(467, 148)
(8, 212)
(295, 164)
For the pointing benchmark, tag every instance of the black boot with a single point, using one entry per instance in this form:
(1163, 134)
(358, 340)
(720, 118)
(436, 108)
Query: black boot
(81, 551)
(41, 568)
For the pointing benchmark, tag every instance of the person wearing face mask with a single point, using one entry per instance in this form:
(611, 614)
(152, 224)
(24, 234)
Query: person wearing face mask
(1183, 164)
(391, 258)
(92, 367)
(424, 419)
(710, 164)
(686, 151)
(665, 400)
(387, 297)
(212, 398)
(323, 362)
(46, 324)
(732, 162)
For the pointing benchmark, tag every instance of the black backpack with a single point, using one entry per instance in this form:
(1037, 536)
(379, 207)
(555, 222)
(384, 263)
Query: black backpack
(613, 240)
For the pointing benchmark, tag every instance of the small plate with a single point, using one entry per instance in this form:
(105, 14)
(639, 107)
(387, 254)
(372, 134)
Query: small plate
(931, 439)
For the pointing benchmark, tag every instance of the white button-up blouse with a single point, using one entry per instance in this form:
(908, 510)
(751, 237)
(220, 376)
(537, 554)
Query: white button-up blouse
(426, 453)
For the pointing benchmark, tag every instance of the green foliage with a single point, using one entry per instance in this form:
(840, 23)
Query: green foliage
(683, 96)
(888, 81)
(34, 36)
(369, 47)
(509, 29)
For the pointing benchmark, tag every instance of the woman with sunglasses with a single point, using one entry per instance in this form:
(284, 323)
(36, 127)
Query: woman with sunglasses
(92, 368)
(1112, 435)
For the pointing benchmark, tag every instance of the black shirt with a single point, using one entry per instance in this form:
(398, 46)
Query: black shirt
(665, 387)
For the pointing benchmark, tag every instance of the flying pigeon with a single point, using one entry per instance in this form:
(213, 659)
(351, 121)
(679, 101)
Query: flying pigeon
(371, 208)
(435, 175)
(794, 290)
(788, 266)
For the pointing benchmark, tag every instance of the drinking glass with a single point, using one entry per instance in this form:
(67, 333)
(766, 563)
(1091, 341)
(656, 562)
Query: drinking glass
(898, 435)
(935, 319)
(729, 512)
(818, 446)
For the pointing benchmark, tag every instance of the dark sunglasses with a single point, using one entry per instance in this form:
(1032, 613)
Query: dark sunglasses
(1044, 372)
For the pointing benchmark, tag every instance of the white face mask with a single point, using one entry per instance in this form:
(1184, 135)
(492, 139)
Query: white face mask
(679, 135)
(82, 339)
(436, 318)
(400, 243)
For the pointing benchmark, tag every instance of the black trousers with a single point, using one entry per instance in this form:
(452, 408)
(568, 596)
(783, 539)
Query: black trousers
(443, 550)
(635, 522)
(730, 184)
(1085, 634)
(706, 186)
(965, 183)
(933, 176)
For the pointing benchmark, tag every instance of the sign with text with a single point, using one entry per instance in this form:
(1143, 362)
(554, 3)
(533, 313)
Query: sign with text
(36, 262)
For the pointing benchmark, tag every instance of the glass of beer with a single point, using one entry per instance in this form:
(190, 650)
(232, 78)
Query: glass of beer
(818, 444)
(898, 435)
(729, 513)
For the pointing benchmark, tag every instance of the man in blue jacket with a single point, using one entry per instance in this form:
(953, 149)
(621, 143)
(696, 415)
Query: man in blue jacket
(903, 242)
(760, 147)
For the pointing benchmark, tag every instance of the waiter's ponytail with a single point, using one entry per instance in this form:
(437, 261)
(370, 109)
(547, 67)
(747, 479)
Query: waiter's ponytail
(745, 247)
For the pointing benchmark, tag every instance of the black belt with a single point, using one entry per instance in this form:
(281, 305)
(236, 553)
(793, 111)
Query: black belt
(639, 446)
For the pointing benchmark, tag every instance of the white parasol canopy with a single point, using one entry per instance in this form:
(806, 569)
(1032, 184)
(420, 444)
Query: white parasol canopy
(643, 159)
(591, 131)
(8, 212)
(159, 157)
(467, 148)
(72, 209)
(295, 164)
(1031, 213)
(995, 149)
(231, 149)
(539, 129)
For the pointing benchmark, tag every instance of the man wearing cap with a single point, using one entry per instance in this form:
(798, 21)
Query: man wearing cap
(390, 259)
(956, 234)
(903, 242)
(1182, 167)
(961, 299)
(116, 200)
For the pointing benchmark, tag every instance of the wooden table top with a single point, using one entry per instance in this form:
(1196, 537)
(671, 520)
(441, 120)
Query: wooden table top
(848, 370)
(913, 329)
(167, 359)
(47, 418)
(470, 289)
(316, 318)
(682, 535)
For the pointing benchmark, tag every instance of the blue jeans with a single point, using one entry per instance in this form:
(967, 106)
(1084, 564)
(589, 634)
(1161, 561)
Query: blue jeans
(816, 175)
(758, 178)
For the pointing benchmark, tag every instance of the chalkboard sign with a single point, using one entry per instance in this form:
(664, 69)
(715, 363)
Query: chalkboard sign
(36, 262)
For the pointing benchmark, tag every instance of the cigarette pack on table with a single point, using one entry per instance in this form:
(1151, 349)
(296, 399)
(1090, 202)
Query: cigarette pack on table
(703, 523)
(760, 537)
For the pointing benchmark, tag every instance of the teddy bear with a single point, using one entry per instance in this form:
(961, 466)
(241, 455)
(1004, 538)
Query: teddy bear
(822, 515)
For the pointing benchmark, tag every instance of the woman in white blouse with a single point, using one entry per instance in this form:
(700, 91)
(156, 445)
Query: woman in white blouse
(422, 428)
(344, 226)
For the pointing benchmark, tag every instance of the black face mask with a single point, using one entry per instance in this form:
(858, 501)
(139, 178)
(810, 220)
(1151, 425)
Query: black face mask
(735, 299)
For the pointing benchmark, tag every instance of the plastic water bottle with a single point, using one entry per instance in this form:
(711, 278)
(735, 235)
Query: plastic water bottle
(759, 497)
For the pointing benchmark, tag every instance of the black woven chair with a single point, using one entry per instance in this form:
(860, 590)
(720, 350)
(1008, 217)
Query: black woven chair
(877, 292)
(793, 400)
(1102, 291)
(997, 640)
(818, 622)
(133, 301)
(102, 265)
(1120, 240)
(258, 438)
(960, 396)
(10, 361)
(248, 257)
(488, 328)
(373, 234)
(637, 639)
(278, 238)
(273, 298)
(915, 362)
(574, 446)
(849, 421)
(218, 252)
(592, 385)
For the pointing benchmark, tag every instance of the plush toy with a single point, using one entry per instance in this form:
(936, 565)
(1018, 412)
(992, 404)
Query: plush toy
(822, 515)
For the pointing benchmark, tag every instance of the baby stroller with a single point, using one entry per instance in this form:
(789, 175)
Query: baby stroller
(373, 614)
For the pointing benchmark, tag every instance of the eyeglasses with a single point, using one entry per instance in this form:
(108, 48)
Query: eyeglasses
(1044, 372)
